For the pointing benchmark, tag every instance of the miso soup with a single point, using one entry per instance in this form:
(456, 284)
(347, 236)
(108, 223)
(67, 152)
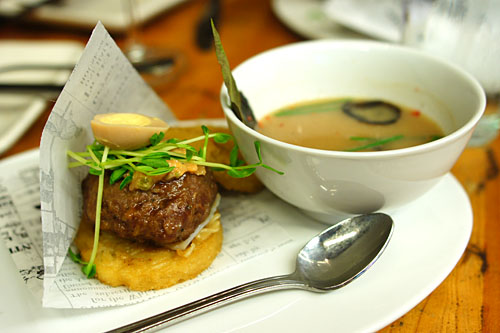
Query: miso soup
(350, 125)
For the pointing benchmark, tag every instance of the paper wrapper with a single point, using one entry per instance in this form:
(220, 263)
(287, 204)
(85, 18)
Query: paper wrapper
(104, 81)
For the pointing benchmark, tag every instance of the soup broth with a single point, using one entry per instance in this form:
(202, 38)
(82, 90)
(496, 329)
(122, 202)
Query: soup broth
(350, 125)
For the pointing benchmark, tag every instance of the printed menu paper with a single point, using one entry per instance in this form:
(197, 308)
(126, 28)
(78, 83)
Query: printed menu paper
(103, 81)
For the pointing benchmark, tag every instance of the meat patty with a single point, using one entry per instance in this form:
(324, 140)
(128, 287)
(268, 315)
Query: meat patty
(168, 212)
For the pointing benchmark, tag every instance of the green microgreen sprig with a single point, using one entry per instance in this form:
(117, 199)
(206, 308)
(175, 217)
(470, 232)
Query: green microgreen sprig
(152, 161)
(89, 268)
(76, 257)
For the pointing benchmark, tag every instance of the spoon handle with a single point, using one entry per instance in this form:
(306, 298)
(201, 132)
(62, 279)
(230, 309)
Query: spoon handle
(211, 302)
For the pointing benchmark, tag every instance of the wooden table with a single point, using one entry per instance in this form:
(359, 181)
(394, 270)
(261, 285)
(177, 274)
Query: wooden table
(467, 301)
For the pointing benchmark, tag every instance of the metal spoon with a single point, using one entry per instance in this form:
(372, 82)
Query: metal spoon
(329, 261)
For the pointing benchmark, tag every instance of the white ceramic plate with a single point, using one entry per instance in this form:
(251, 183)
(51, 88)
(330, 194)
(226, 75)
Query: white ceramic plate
(381, 19)
(430, 237)
(308, 19)
(19, 110)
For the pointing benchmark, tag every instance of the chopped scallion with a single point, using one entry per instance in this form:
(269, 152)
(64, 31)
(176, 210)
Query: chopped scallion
(377, 143)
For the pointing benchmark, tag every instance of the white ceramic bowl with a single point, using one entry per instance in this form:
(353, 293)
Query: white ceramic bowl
(329, 185)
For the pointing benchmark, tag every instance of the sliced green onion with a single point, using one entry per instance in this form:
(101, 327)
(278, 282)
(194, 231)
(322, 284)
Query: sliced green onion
(327, 106)
(377, 143)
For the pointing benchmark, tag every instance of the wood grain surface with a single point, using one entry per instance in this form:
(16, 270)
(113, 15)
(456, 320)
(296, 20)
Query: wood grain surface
(467, 301)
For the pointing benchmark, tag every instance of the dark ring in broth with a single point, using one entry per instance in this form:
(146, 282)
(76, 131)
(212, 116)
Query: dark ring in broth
(372, 112)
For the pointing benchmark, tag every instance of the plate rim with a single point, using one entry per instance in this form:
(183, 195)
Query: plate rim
(451, 181)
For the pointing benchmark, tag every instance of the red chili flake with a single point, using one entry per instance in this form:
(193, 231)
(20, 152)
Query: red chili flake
(415, 113)
(281, 124)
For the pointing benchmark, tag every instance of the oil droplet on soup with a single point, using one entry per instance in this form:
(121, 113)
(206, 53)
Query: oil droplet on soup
(350, 125)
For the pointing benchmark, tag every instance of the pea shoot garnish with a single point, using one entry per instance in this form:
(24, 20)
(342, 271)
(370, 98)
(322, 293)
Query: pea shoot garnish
(152, 160)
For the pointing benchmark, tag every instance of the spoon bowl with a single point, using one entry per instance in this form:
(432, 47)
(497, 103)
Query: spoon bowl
(330, 260)
(343, 252)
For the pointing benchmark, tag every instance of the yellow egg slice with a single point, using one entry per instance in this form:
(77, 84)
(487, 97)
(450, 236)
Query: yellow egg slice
(126, 131)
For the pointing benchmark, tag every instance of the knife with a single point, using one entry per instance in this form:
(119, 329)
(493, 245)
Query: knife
(142, 67)
(31, 87)
(203, 32)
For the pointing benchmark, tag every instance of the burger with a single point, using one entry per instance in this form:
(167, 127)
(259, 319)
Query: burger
(152, 239)
(149, 217)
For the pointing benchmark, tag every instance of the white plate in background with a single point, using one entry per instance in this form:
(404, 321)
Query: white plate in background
(112, 13)
(18, 111)
(380, 19)
(308, 19)
(429, 239)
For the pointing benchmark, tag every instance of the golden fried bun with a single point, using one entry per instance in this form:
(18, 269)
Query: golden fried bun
(141, 267)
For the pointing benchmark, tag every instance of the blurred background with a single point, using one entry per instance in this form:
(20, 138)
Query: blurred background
(169, 42)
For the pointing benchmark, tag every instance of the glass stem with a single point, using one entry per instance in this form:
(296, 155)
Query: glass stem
(134, 49)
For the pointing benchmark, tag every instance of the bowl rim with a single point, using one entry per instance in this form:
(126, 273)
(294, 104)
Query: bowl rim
(365, 45)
